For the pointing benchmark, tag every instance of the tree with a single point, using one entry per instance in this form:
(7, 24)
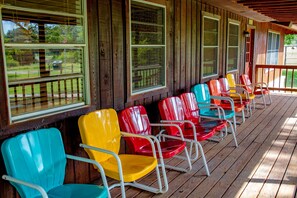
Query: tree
(291, 39)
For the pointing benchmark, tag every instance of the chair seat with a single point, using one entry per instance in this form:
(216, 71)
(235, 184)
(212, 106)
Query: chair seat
(258, 91)
(243, 96)
(214, 114)
(201, 134)
(218, 124)
(77, 191)
(169, 148)
(134, 166)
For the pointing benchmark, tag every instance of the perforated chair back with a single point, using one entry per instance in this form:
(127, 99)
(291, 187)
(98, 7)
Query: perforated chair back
(135, 120)
(190, 106)
(202, 94)
(231, 82)
(171, 109)
(100, 129)
(224, 86)
(31, 157)
(245, 80)
(215, 90)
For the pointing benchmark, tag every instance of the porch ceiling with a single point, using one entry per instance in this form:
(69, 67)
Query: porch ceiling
(281, 12)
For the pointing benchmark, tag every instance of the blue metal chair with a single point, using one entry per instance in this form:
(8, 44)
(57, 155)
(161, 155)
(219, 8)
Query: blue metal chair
(207, 109)
(35, 163)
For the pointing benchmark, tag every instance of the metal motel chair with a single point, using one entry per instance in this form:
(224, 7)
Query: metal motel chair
(35, 162)
(233, 87)
(101, 137)
(207, 109)
(135, 120)
(258, 89)
(191, 111)
(171, 111)
(227, 103)
(242, 96)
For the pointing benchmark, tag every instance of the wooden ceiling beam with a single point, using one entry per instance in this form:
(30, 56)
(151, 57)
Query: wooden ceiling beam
(264, 1)
(280, 6)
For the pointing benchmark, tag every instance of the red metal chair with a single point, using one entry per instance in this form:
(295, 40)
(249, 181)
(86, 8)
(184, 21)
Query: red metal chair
(171, 111)
(258, 89)
(135, 120)
(242, 97)
(224, 102)
(191, 111)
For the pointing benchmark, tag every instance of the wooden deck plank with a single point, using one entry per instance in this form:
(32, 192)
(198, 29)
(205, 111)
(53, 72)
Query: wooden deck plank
(208, 184)
(288, 185)
(264, 164)
(242, 180)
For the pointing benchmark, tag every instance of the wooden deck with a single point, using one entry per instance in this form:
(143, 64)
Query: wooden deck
(264, 164)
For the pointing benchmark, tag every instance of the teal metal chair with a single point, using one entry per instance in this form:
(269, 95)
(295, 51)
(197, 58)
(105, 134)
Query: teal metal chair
(207, 109)
(35, 163)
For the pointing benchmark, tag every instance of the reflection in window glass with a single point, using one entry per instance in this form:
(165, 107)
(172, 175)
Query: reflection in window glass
(210, 46)
(272, 49)
(147, 46)
(233, 47)
(45, 49)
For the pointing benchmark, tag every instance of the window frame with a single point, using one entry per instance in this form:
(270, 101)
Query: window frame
(267, 53)
(237, 23)
(218, 19)
(60, 111)
(145, 91)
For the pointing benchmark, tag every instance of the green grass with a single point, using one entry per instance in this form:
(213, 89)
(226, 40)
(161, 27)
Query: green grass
(289, 78)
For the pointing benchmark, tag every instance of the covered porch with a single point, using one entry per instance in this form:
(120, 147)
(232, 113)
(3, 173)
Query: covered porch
(264, 164)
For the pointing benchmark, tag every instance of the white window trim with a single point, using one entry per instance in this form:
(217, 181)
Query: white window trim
(164, 45)
(217, 18)
(55, 110)
(234, 22)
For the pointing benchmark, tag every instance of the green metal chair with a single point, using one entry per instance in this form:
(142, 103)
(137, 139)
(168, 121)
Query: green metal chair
(35, 163)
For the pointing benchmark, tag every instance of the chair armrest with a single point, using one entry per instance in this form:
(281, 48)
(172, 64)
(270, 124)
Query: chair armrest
(230, 100)
(183, 121)
(220, 110)
(174, 125)
(119, 163)
(34, 186)
(90, 161)
(148, 138)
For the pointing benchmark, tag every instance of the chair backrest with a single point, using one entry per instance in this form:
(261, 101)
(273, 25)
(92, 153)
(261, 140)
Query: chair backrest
(37, 157)
(215, 90)
(100, 129)
(245, 80)
(231, 82)
(202, 94)
(224, 86)
(135, 120)
(190, 106)
(171, 109)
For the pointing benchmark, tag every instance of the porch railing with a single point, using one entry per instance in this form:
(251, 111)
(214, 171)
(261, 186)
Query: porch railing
(281, 78)
(42, 93)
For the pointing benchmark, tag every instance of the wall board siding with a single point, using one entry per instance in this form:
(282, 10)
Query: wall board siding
(108, 22)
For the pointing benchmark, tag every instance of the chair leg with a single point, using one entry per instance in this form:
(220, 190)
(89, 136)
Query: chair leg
(264, 101)
(203, 158)
(234, 122)
(233, 133)
(270, 100)
(243, 116)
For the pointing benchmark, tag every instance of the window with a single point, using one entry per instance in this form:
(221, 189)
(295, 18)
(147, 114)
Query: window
(46, 63)
(147, 45)
(210, 46)
(272, 48)
(233, 46)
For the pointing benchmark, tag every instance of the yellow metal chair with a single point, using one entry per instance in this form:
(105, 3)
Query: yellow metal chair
(234, 87)
(101, 137)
